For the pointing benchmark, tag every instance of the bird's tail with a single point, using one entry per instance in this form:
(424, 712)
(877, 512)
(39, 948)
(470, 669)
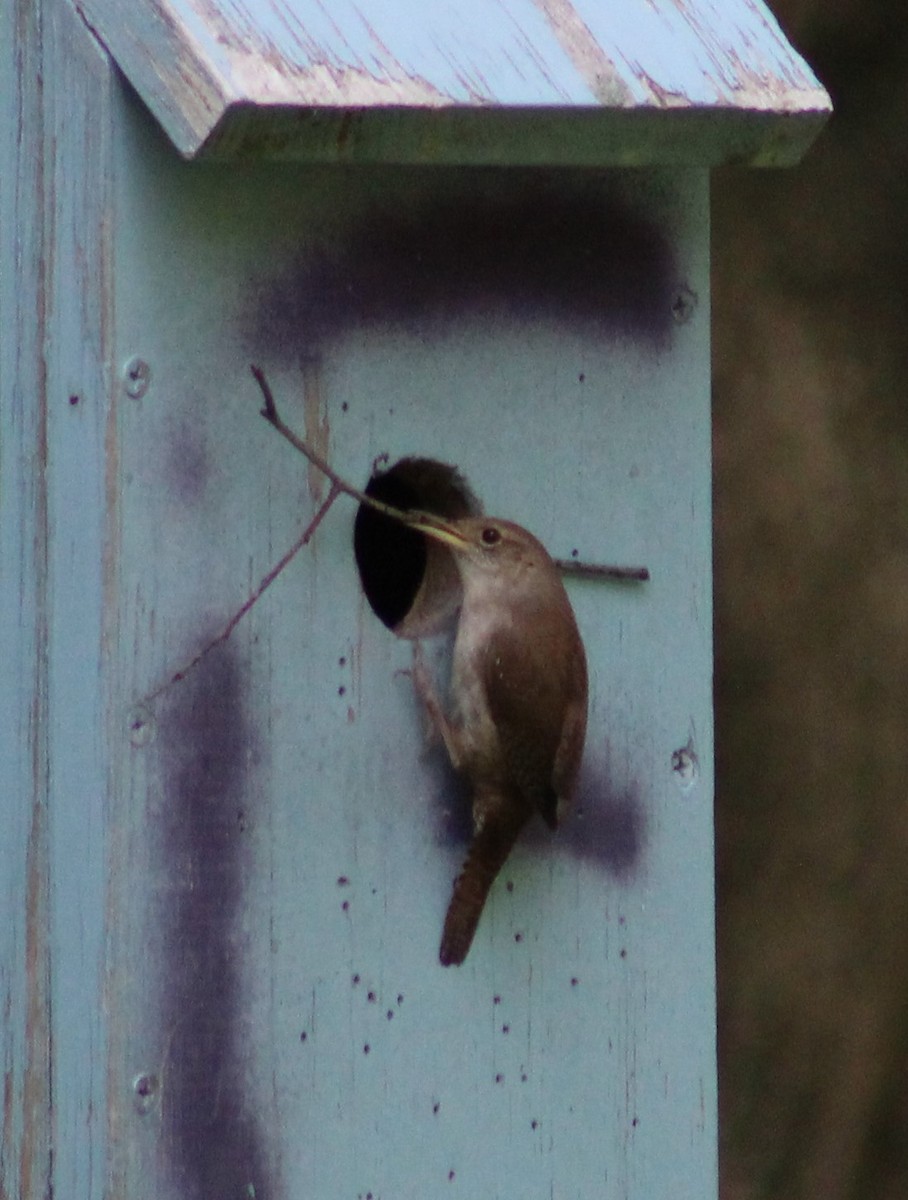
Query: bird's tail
(490, 847)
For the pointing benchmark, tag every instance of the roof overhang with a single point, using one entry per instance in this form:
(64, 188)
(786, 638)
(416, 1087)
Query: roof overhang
(590, 82)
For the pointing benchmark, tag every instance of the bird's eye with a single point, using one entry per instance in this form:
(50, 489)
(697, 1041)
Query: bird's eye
(491, 536)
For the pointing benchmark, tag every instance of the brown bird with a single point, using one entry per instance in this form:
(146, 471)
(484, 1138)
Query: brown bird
(518, 683)
(519, 691)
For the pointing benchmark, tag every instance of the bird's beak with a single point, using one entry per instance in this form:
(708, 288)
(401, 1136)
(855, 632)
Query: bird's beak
(436, 528)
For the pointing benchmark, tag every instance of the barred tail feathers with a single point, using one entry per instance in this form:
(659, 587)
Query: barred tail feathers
(490, 847)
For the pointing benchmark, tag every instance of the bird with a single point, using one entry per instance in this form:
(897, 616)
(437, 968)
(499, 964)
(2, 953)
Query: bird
(519, 693)
(519, 685)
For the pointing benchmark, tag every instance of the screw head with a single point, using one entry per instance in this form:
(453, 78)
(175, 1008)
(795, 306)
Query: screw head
(136, 377)
(145, 1088)
(141, 725)
(686, 767)
(684, 304)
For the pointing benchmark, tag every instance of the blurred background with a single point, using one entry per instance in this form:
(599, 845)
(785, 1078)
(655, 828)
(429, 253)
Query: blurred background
(811, 495)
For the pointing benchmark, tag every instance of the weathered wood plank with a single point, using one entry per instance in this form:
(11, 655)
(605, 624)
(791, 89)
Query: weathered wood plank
(225, 897)
(54, 324)
(25, 1151)
(201, 66)
(81, 564)
(282, 976)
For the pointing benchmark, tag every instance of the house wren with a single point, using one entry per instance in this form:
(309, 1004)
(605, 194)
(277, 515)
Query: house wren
(519, 691)
(518, 683)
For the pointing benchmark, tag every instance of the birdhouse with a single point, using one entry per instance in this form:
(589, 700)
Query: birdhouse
(467, 248)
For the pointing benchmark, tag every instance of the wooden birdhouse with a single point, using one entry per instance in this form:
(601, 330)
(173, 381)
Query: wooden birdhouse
(467, 244)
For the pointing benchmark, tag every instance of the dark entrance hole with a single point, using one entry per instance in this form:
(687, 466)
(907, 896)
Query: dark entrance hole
(410, 581)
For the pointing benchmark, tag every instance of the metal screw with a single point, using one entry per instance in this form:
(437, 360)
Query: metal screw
(141, 725)
(684, 304)
(136, 377)
(145, 1090)
(686, 766)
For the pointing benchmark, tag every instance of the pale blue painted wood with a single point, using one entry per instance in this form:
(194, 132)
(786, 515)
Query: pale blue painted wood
(24, 959)
(291, 830)
(84, 640)
(199, 68)
(54, 506)
(221, 894)
(694, 51)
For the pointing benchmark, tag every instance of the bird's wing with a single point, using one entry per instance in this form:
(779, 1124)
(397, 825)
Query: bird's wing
(537, 699)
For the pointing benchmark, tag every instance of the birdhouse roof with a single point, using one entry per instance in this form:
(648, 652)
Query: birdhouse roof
(617, 82)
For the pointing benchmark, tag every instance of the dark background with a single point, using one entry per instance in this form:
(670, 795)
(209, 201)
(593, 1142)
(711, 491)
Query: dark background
(811, 493)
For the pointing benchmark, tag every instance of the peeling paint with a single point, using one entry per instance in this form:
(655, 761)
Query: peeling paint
(33, 1119)
(195, 61)
(34, 1147)
(586, 54)
(316, 425)
(272, 81)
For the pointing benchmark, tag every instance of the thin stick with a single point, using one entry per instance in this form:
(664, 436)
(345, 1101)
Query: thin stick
(415, 517)
(264, 584)
(270, 413)
(588, 570)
